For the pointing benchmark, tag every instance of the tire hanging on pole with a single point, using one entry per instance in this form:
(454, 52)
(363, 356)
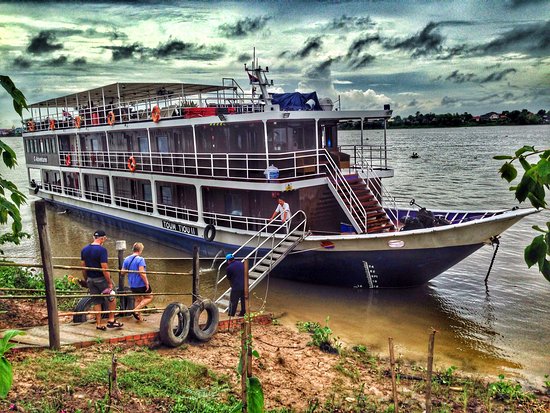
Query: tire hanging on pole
(174, 325)
(206, 331)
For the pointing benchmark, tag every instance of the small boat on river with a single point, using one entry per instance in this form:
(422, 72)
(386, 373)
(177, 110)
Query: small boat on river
(204, 165)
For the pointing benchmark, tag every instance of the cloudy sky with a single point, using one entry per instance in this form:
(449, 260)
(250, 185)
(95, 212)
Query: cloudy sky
(429, 56)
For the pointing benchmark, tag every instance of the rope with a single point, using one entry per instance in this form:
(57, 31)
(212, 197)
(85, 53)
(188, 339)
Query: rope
(152, 309)
(75, 267)
(41, 297)
(494, 241)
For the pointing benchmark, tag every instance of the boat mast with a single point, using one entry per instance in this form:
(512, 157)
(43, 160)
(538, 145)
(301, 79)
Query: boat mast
(257, 76)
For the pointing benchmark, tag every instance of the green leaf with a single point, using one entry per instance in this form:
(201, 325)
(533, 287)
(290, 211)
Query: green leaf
(536, 201)
(526, 148)
(19, 101)
(6, 377)
(536, 251)
(508, 171)
(4, 341)
(539, 229)
(255, 395)
(545, 269)
(256, 354)
(502, 157)
(526, 165)
(543, 171)
(524, 187)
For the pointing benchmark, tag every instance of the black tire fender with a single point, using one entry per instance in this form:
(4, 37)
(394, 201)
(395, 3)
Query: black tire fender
(174, 325)
(205, 332)
(209, 232)
(86, 304)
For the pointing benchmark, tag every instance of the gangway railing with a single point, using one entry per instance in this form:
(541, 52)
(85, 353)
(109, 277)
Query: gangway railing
(278, 244)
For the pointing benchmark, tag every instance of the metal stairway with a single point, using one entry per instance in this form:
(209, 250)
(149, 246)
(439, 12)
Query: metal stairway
(275, 239)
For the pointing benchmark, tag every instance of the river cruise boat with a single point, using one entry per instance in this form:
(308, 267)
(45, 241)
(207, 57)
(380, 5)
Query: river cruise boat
(204, 165)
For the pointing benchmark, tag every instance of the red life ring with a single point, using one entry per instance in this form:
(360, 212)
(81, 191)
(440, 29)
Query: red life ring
(77, 121)
(31, 126)
(52, 124)
(111, 118)
(132, 164)
(155, 114)
(68, 159)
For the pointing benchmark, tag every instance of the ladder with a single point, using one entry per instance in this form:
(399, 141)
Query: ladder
(268, 250)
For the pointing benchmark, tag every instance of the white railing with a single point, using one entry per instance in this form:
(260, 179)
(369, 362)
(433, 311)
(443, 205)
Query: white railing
(97, 197)
(177, 212)
(238, 221)
(136, 204)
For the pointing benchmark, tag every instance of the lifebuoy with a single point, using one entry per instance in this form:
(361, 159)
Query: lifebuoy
(155, 114)
(52, 124)
(209, 232)
(208, 329)
(174, 325)
(77, 121)
(132, 164)
(111, 118)
(31, 126)
(68, 159)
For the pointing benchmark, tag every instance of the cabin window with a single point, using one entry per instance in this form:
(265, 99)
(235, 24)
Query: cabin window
(166, 195)
(143, 144)
(162, 144)
(100, 185)
(287, 136)
(183, 140)
(147, 193)
(233, 204)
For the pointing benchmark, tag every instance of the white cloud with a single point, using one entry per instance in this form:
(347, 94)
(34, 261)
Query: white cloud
(363, 99)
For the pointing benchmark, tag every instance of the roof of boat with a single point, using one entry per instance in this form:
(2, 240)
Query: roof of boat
(128, 92)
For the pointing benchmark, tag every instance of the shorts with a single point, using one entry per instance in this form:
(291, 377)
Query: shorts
(141, 290)
(96, 286)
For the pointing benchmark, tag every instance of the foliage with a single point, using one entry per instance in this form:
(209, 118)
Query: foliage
(447, 377)
(532, 186)
(6, 373)
(320, 336)
(254, 391)
(507, 391)
(10, 204)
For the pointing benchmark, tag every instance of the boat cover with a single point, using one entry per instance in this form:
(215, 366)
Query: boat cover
(296, 101)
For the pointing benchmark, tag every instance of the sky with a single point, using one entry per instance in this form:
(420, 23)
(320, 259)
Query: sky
(452, 56)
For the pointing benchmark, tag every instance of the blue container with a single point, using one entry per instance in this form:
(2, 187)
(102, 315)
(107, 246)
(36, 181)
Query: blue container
(346, 227)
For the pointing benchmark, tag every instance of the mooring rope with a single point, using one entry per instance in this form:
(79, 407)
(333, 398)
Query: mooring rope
(496, 244)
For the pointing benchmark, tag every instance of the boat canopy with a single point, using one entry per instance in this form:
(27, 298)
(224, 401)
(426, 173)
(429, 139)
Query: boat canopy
(129, 92)
(296, 101)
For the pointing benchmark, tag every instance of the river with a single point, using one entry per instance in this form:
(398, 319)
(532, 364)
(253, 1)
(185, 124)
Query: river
(502, 329)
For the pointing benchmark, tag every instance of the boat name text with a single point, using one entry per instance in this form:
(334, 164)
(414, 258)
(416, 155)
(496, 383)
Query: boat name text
(40, 159)
(174, 226)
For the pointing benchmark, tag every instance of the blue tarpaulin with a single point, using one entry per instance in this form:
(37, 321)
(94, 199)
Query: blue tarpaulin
(295, 101)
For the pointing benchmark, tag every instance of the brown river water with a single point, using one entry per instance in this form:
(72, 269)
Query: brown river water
(503, 329)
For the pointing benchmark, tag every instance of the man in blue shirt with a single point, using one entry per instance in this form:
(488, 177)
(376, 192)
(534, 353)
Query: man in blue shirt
(135, 266)
(235, 275)
(99, 280)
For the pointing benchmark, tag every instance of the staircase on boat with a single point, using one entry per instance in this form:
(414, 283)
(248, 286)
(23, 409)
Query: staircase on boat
(268, 250)
(360, 205)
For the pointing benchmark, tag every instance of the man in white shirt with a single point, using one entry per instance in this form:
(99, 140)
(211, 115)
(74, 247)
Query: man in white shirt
(284, 209)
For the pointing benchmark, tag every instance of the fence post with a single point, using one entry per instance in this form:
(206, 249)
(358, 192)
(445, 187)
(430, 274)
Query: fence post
(196, 279)
(393, 382)
(45, 252)
(121, 247)
(429, 372)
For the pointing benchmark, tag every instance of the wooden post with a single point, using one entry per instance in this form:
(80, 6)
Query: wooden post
(121, 247)
(45, 252)
(244, 368)
(196, 279)
(393, 382)
(429, 372)
(247, 322)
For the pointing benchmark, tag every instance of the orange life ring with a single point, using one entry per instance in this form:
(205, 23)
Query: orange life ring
(77, 121)
(111, 118)
(132, 164)
(52, 124)
(68, 159)
(155, 114)
(31, 126)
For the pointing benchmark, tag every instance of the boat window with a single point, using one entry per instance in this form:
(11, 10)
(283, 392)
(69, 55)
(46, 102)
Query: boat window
(183, 140)
(234, 204)
(286, 136)
(143, 144)
(162, 144)
(166, 195)
(147, 193)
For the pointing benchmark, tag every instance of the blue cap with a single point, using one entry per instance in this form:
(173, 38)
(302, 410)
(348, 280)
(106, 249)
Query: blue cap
(229, 257)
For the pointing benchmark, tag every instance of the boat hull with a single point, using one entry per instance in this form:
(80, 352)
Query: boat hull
(388, 260)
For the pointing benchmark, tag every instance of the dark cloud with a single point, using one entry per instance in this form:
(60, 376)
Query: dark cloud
(449, 101)
(516, 4)
(449, 53)
(115, 34)
(80, 61)
(350, 22)
(313, 44)
(497, 76)
(533, 38)
(458, 77)
(57, 62)
(180, 50)
(413, 104)
(243, 27)
(44, 43)
(357, 46)
(22, 63)
(427, 41)
(129, 51)
(244, 58)
(361, 61)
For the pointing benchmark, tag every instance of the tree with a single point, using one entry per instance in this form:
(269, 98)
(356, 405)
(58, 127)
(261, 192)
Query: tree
(533, 186)
(11, 198)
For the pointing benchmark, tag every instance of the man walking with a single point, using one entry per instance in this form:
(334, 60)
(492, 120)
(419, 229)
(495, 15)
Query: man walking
(235, 275)
(99, 280)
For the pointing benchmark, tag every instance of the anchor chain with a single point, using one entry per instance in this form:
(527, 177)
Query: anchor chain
(495, 242)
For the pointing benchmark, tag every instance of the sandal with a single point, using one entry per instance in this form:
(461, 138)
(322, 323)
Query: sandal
(102, 328)
(114, 324)
(137, 316)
